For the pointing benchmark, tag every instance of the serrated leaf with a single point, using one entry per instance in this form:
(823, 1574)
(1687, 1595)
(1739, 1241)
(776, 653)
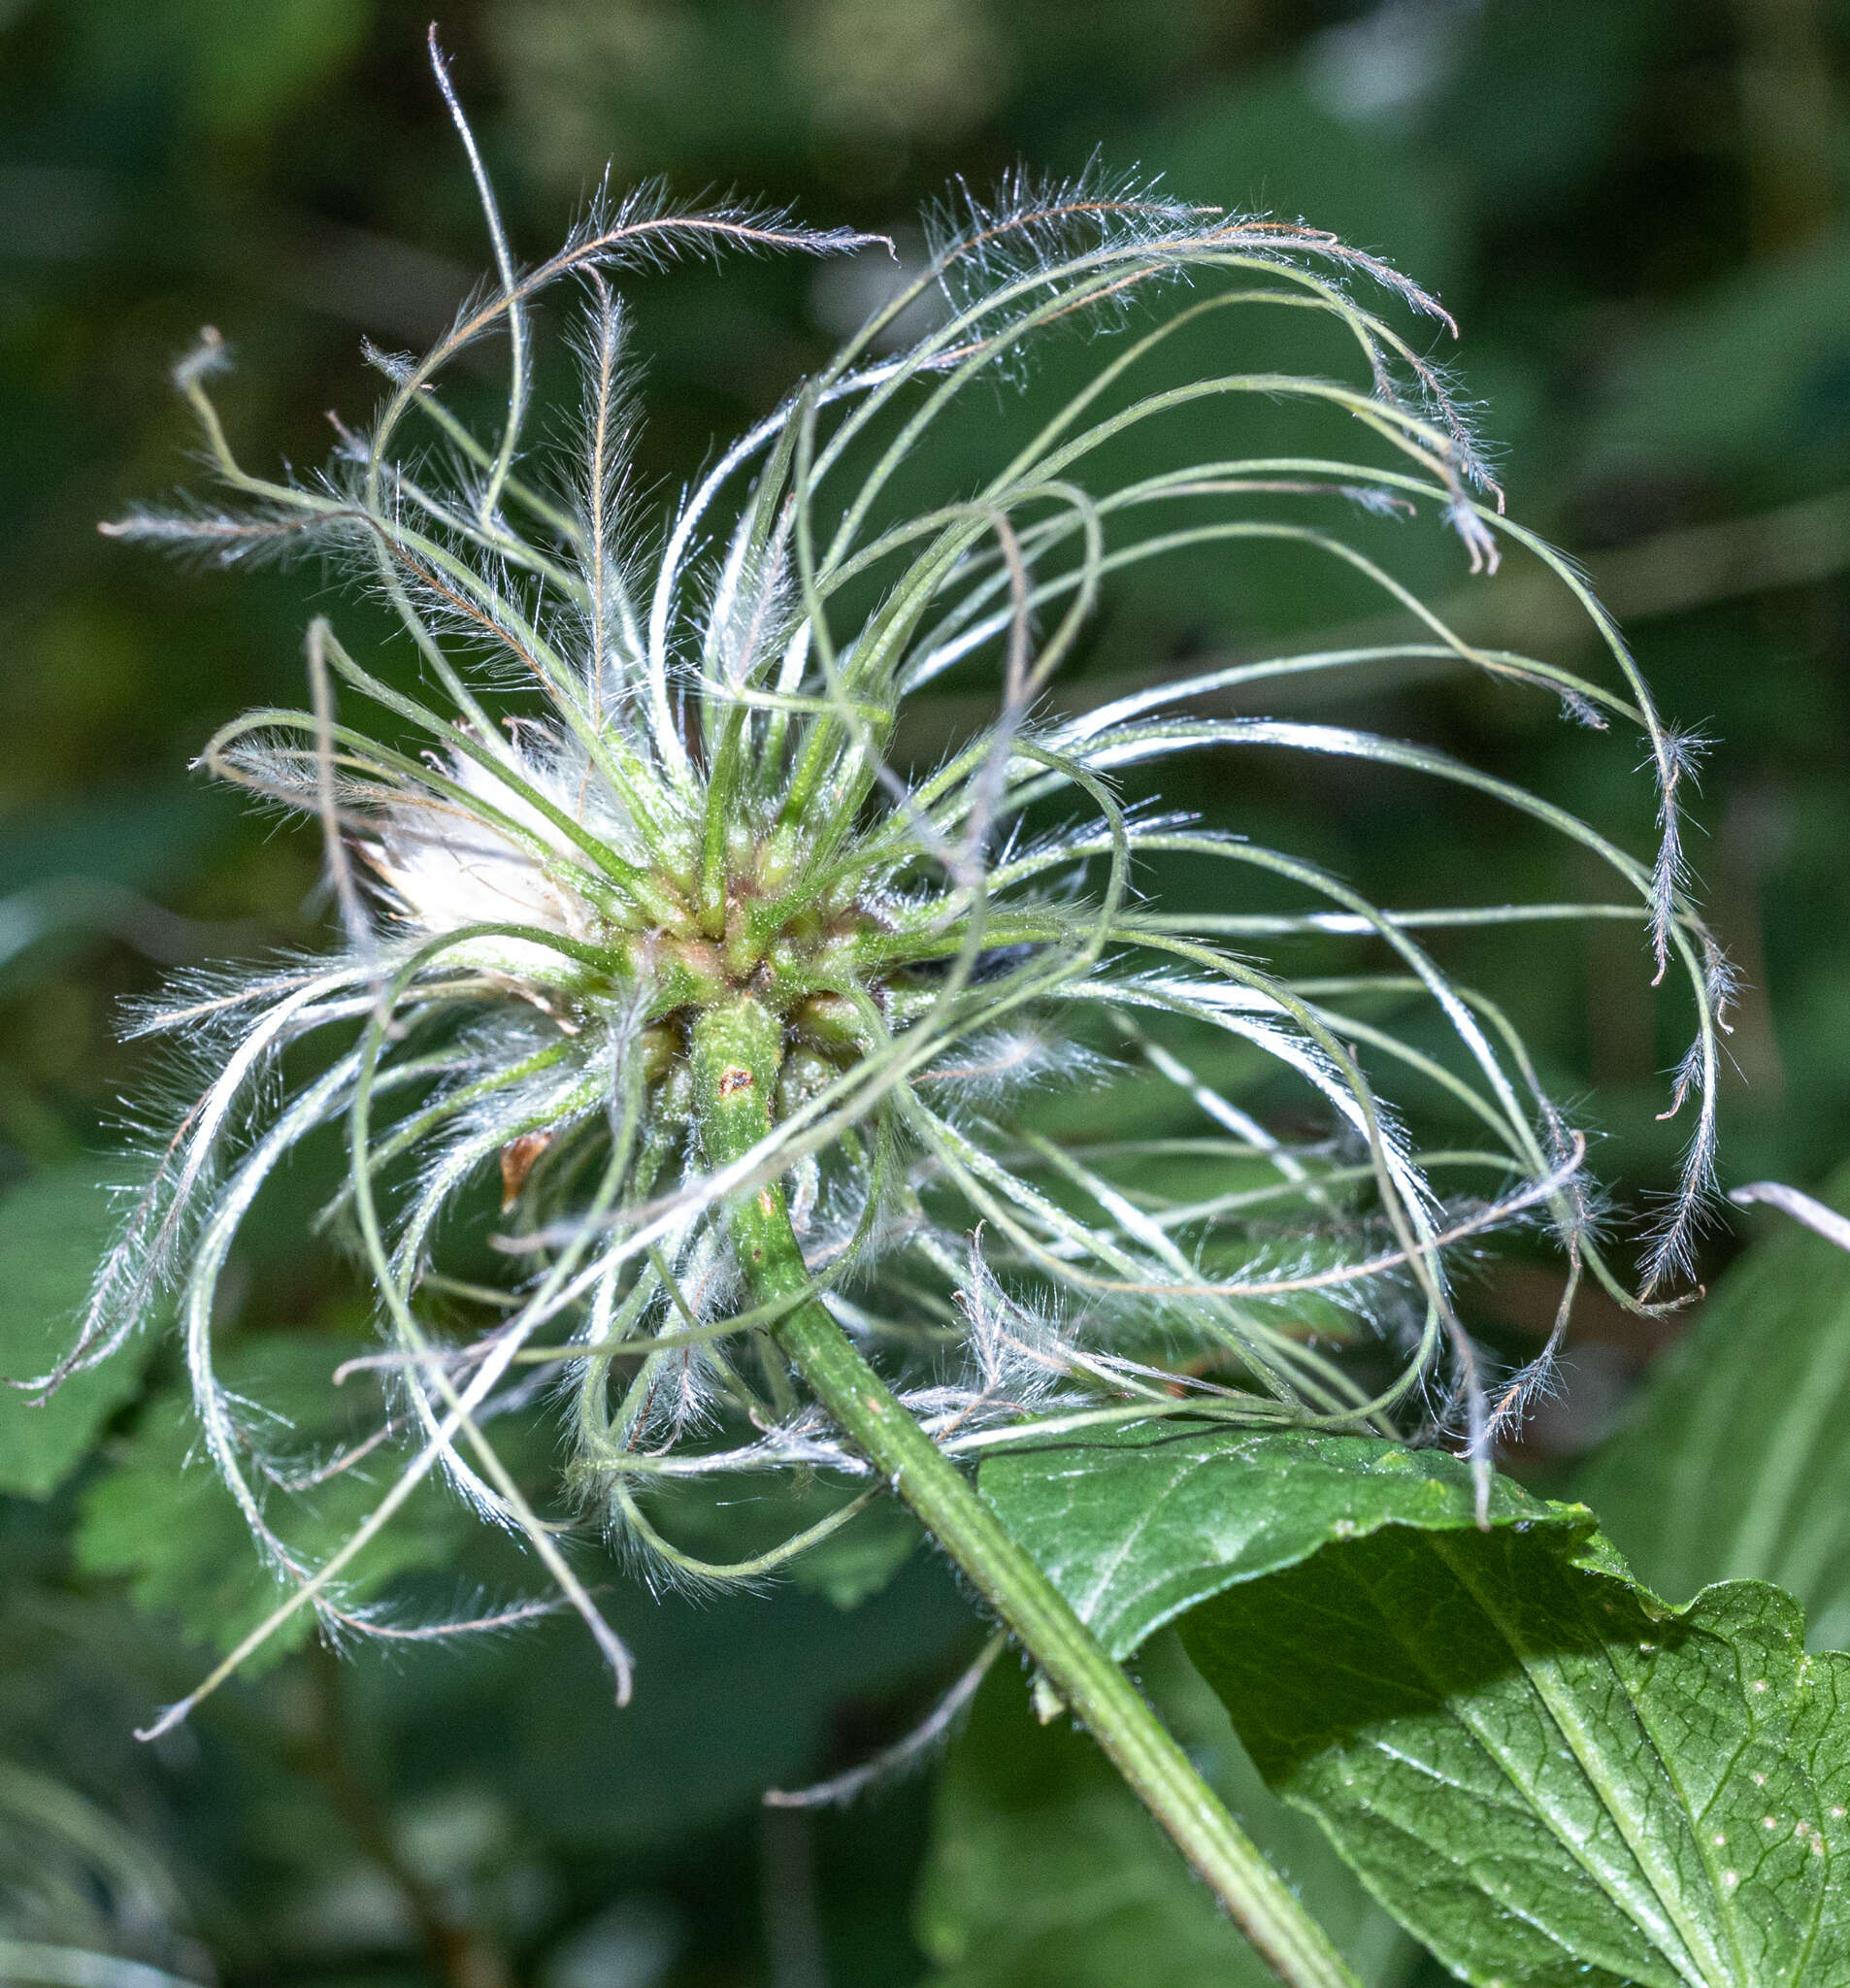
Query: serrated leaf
(1044, 1873)
(1139, 1527)
(1737, 1461)
(53, 1230)
(1548, 1777)
(1544, 1771)
(163, 1519)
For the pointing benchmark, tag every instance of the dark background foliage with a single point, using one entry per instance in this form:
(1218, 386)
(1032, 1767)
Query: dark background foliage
(1636, 208)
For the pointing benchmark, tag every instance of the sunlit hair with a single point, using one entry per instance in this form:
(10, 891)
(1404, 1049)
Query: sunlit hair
(644, 774)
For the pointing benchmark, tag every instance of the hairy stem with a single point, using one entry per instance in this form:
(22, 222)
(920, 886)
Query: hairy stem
(738, 1047)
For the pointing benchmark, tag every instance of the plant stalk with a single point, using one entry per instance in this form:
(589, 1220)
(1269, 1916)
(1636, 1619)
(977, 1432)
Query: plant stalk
(738, 1049)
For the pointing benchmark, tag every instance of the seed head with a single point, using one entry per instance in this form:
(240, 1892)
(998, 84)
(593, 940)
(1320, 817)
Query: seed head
(635, 780)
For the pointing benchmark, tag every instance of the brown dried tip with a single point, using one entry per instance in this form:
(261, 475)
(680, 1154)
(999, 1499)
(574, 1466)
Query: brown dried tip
(517, 1163)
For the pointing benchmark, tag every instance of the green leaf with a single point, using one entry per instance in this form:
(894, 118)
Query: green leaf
(162, 1518)
(1366, 183)
(1752, 369)
(1544, 1771)
(53, 1230)
(232, 83)
(1137, 1528)
(730, 1519)
(850, 1565)
(1737, 1462)
(1549, 1778)
(1044, 1870)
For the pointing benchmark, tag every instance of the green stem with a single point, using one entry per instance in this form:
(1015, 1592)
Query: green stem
(738, 1048)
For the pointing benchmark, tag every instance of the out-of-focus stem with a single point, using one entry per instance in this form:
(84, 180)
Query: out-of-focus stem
(463, 1954)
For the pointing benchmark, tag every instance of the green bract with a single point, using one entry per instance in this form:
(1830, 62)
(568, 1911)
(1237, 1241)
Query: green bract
(648, 802)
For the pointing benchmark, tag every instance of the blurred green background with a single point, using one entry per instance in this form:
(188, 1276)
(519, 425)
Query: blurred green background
(1639, 210)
